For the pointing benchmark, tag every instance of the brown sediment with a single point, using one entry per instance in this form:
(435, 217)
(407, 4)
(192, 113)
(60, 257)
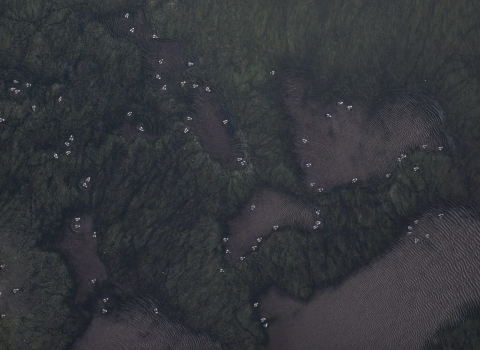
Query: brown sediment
(212, 124)
(266, 212)
(141, 325)
(398, 301)
(339, 142)
(81, 249)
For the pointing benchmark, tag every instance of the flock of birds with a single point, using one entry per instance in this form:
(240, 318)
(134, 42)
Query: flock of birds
(336, 143)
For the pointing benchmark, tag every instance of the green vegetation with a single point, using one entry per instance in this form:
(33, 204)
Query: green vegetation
(160, 207)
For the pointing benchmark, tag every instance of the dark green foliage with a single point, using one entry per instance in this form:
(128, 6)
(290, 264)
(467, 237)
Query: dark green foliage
(34, 284)
(160, 207)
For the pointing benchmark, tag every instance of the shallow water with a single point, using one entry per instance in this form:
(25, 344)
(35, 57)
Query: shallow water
(267, 213)
(340, 142)
(162, 203)
(396, 302)
(141, 325)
